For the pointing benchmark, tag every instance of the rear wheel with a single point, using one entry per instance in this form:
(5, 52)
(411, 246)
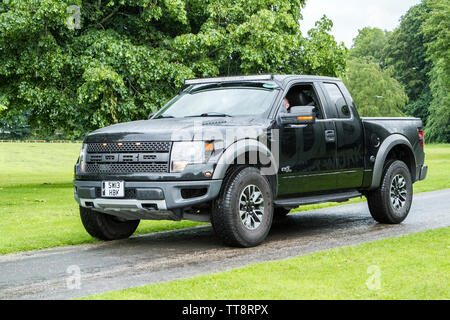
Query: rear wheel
(391, 202)
(242, 215)
(106, 227)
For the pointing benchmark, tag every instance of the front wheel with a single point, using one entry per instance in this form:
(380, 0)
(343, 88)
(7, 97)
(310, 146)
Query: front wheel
(106, 227)
(391, 202)
(243, 213)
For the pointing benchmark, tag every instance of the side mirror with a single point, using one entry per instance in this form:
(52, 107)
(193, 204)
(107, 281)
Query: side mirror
(299, 115)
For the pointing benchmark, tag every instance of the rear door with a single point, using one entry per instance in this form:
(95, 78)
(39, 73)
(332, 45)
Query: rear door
(349, 135)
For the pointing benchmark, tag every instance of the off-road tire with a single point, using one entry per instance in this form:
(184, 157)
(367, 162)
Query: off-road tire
(226, 219)
(380, 201)
(106, 227)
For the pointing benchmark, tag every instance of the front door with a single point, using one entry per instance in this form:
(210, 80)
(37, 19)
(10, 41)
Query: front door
(307, 153)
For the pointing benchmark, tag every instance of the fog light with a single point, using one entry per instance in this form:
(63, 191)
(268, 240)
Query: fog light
(179, 166)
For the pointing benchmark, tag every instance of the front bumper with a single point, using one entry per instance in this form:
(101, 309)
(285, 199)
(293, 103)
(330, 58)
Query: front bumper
(154, 200)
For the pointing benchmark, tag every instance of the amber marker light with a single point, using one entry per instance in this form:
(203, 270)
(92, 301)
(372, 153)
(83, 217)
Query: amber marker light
(209, 147)
(120, 144)
(304, 118)
(104, 144)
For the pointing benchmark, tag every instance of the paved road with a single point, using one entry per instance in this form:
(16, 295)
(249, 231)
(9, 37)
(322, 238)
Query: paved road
(183, 253)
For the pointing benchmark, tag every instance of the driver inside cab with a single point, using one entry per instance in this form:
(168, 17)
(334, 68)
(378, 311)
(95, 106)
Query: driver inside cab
(298, 96)
(287, 104)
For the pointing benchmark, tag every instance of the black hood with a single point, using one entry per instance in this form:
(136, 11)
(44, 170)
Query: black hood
(178, 129)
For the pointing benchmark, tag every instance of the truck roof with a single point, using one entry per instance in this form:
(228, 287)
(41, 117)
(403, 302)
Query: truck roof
(287, 78)
(281, 79)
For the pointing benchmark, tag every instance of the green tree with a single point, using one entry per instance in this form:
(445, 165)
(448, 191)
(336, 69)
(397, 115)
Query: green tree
(375, 91)
(370, 44)
(372, 85)
(320, 54)
(406, 52)
(130, 56)
(437, 28)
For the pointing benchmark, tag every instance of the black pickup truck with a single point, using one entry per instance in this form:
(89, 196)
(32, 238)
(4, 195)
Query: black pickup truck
(242, 151)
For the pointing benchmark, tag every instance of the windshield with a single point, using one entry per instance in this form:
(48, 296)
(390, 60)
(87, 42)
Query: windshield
(221, 102)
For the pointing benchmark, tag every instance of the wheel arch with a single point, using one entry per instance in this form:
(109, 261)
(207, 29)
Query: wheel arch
(249, 152)
(395, 147)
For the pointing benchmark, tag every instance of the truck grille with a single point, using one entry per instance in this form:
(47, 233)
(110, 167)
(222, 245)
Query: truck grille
(127, 168)
(128, 157)
(126, 147)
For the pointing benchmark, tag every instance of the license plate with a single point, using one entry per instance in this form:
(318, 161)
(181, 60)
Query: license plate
(113, 189)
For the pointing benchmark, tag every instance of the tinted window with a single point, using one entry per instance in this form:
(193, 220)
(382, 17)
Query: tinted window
(337, 99)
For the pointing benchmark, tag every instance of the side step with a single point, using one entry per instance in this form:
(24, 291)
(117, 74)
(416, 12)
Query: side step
(334, 197)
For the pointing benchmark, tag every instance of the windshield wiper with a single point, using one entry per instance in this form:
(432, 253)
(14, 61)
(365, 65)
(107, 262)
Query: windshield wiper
(211, 114)
(166, 117)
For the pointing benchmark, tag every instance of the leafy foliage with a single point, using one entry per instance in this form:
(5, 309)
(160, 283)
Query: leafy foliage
(370, 44)
(437, 28)
(372, 85)
(130, 56)
(406, 52)
(375, 91)
(323, 55)
(417, 54)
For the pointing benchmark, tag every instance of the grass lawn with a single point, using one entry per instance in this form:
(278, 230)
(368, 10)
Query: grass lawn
(416, 266)
(37, 209)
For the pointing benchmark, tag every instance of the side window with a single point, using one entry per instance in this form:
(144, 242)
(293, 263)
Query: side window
(303, 95)
(337, 99)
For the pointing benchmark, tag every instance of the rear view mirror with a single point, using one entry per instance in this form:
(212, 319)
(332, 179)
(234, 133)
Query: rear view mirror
(301, 115)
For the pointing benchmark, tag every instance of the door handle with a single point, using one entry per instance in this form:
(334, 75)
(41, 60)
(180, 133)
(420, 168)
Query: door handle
(330, 136)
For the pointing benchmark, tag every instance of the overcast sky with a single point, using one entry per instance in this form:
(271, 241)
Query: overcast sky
(349, 16)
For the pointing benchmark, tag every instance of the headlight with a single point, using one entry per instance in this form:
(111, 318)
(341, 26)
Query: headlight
(82, 161)
(184, 153)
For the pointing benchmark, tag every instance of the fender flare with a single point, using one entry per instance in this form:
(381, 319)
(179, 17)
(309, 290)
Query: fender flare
(388, 144)
(239, 148)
